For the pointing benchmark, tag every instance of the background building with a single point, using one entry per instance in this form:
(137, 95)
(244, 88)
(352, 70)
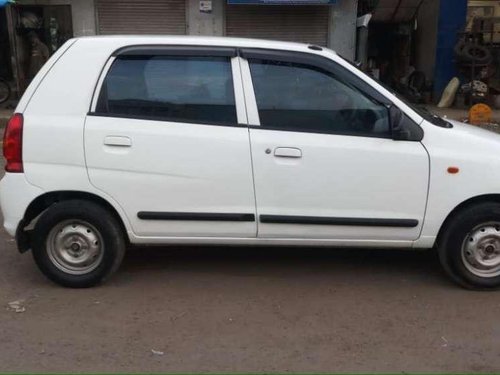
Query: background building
(323, 22)
(414, 35)
(402, 34)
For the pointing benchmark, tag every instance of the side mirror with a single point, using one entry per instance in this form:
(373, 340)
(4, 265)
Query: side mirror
(396, 118)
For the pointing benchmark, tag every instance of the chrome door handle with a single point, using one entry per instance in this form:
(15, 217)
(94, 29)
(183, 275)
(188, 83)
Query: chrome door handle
(116, 140)
(288, 152)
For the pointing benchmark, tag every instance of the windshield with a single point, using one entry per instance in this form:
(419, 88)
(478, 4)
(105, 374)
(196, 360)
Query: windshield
(420, 109)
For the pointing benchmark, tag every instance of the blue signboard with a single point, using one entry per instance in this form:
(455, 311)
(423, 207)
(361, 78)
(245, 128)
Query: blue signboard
(283, 2)
(5, 2)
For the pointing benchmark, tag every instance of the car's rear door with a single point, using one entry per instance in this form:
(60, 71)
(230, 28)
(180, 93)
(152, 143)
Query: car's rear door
(163, 141)
(325, 163)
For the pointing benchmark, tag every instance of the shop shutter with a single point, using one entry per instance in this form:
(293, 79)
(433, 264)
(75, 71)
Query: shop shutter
(296, 23)
(141, 16)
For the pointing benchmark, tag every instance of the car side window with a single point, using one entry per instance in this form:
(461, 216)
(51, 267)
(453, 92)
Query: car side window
(302, 97)
(170, 88)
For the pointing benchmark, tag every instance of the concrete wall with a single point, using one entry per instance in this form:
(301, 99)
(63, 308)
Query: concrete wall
(342, 30)
(84, 19)
(426, 37)
(199, 23)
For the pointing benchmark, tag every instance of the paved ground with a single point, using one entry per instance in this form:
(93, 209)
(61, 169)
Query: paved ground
(250, 310)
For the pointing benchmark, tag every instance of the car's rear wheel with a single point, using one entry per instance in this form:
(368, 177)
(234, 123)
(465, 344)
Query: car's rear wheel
(77, 243)
(469, 248)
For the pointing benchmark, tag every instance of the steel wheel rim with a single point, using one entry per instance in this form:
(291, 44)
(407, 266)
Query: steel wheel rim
(481, 250)
(75, 247)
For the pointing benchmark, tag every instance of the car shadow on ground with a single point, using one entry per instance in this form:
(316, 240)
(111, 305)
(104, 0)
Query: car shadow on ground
(421, 266)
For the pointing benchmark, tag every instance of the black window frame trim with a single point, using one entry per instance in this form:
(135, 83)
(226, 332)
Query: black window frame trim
(314, 131)
(164, 50)
(167, 119)
(317, 61)
(341, 73)
(176, 50)
(247, 53)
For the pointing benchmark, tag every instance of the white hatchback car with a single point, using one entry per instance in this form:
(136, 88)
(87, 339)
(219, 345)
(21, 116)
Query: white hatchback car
(182, 140)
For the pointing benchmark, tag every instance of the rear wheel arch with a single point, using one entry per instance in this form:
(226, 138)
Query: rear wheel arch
(44, 201)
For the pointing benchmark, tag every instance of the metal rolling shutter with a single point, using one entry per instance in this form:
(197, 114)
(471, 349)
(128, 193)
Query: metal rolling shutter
(306, 24)
(141, 16)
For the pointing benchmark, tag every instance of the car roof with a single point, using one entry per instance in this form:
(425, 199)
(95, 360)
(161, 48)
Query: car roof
(202, 41)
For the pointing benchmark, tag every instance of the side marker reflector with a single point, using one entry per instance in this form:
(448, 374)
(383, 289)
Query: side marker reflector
(453, 170)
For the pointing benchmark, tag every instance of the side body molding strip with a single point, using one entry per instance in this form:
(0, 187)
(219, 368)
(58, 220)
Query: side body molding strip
(195, 216)
(345, 221)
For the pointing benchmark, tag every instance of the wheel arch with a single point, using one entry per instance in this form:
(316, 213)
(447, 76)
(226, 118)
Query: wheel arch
(44, 201)
(467, 203)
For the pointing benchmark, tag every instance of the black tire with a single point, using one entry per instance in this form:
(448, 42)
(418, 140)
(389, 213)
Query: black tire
(470, 52)
(101, 221)
(4, 91)
(478, 54)
(459, 229)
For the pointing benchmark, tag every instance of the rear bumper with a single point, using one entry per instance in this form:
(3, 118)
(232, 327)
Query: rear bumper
(16, 193)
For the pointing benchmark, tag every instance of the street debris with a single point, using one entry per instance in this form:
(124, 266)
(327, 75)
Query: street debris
(157, 352)
(178, 316)
(449, 93)
(17, 306)
(445, 342)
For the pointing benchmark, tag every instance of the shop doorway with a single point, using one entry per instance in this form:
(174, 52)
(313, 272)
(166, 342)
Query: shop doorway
(38, 31)
(295, 23)
(5, 65)
(6, 78)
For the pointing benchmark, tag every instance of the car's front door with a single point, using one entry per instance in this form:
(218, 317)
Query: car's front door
(164, 142)
(325, 164)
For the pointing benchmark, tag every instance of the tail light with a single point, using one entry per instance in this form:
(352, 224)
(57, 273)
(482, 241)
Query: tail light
(13, 144)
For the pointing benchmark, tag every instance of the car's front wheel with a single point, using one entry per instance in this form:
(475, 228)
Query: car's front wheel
(469, 248)
(77, 243)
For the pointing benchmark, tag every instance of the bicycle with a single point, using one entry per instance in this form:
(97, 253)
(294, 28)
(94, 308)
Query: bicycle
(5, 91)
